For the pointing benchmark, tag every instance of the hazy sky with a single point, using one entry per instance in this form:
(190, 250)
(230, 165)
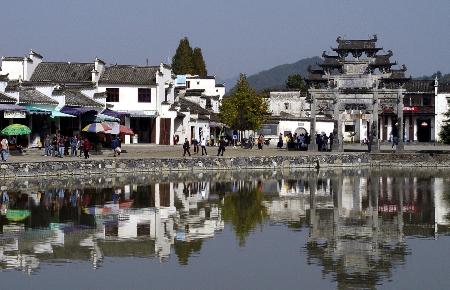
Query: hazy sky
(235, 35)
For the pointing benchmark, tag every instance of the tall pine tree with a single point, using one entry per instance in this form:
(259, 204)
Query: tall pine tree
(244, 109)
(182, 62)
(199, 63)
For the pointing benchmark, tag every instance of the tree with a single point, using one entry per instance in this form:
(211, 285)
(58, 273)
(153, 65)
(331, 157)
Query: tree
(296, 82)
(244, 109)
(199, 63)
(244, 210)
(445, 130)
(182, 62)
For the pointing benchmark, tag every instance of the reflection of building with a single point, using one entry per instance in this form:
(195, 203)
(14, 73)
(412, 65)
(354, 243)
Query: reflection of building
(131, 220)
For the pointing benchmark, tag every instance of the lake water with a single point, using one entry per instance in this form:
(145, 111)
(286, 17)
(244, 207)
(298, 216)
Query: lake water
(356, 229)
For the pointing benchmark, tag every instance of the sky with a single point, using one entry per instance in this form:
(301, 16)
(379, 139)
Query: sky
(235, 35)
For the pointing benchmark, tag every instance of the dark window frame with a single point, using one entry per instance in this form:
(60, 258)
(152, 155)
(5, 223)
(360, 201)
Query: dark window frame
(144, 95)
(112, 95)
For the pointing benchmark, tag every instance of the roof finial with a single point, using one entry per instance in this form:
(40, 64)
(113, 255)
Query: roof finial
(436, 81)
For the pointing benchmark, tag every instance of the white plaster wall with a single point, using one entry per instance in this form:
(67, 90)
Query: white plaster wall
(3, 86)
(29, 67)
(441, 107)
(128, 98)
(14, 69)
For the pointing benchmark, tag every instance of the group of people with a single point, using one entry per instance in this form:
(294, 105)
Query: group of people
(195, 144)
(301, 141)
(60, 146)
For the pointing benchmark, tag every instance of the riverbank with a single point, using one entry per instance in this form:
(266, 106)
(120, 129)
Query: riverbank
(105, 164)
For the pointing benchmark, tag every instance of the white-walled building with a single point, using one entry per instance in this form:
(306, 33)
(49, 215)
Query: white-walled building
(144, 96)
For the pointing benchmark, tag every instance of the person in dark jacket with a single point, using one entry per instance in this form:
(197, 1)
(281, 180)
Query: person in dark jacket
(221, 147)
(186, 147)
(86, 148)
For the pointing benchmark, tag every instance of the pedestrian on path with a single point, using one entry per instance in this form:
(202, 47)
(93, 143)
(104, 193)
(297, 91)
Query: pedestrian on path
(203, 145)
(4, 149)
(186, 147)
(221, 147)
(73, 146)
(86, 148)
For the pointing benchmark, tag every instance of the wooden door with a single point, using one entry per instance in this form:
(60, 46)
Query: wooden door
(164, 132)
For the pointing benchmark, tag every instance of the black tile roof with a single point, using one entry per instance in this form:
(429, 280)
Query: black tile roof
(220, 85)
(3, 78)
(63, 72)
(383, 59)
(12, 58)
(194, 92)
(32, 52)
(100, 95)
(419, 86)
(32, 96)
(444, 88)
(188, 106)
(76, 98)
(4, 99)
(364, 44)
(12, 86)
(129, 75)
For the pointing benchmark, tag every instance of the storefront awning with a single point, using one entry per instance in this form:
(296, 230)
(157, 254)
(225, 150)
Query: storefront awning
(54, 113)
(114, 114)
(102, 118)
(77, 111)
(143, 114)
(12, 107)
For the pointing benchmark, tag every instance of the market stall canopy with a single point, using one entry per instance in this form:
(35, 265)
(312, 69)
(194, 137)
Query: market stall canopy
(12, 107)
(97, 128)
(143, 114)
(77, 111)
(16, 129)
(102, 118)
(17, 215)
(114, 114)
(53, 113)
(117, 129)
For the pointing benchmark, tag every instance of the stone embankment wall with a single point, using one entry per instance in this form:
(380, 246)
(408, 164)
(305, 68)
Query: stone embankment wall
(156, 165)
(409, 159)
(124, 165)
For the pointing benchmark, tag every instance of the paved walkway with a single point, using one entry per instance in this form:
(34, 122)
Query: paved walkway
(161, 151)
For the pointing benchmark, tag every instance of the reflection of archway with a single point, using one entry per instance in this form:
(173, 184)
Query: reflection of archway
(300, 130)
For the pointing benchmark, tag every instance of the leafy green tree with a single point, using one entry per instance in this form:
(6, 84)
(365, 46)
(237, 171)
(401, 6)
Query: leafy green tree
(244, 210)
(445, 129)
(296, 82)
(244, 109)
(182, 62)
(199, 63)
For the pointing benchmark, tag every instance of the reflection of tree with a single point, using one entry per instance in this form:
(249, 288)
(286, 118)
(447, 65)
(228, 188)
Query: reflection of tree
(359, 269)
(184, 250)
(244, 209)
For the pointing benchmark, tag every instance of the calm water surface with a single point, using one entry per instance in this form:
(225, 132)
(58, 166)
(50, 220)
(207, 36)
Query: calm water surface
(356, 229)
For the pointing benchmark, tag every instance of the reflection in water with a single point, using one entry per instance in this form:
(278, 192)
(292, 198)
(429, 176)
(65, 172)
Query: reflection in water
(357, 220)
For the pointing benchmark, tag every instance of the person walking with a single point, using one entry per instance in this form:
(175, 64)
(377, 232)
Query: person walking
(221, 147)
(260, 142)
(73, 146)
(203, 145)
(280, 141)
(115, 145)
(4, 148)
(186, 147)
(47, 145)
(61, 146)
(195, 143)
(86, 148)
(80, 145)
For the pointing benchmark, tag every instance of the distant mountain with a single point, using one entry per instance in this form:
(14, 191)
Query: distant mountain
(275, 78)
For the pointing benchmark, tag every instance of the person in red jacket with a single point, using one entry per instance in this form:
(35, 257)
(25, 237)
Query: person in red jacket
(86, 148)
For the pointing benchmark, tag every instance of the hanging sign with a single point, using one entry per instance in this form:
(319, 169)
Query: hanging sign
(14, 115)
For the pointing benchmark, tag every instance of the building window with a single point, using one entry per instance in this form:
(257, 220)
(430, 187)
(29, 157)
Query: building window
(188, 84)
(286, 106)
(144, 95)
(166, 94)
(198, 83)
(112, 95)
(426, 101)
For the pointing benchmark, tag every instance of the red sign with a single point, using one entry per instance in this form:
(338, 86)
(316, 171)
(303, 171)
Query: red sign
(411, 109)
